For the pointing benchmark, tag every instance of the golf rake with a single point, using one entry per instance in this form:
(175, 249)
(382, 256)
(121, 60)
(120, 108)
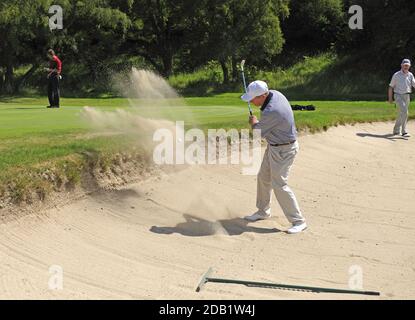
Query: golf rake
(207, 278)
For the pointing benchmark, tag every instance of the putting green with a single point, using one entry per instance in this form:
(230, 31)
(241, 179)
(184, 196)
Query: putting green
(31, 134)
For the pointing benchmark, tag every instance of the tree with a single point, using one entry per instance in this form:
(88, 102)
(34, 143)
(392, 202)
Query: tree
(230, 30)
(159, 30)
(93, 31)
(92, 35)
(312, 27)
(388, 34)
(21, 22)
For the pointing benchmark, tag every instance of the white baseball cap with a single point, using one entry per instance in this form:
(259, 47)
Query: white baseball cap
(406, 61)
(255, 89)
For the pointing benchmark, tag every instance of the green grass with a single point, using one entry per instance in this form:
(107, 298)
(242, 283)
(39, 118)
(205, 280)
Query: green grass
(298, 74)
(203, 81)
(33, 138)
(322, 77)
(30, 133)
(328, 76)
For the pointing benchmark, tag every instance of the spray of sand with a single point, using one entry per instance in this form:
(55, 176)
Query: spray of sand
(152, 106)
(124, 122)
(146, 84)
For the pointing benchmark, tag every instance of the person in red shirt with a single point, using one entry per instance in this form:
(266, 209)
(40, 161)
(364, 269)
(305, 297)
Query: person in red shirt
(54, 75)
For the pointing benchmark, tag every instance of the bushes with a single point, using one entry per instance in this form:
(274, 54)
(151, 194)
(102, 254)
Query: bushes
(322, 77)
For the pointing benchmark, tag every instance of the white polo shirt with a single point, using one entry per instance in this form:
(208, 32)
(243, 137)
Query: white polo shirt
(402, 83)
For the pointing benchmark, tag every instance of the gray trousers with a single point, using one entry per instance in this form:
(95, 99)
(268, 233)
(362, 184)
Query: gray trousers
(273, 175)
(402, 101)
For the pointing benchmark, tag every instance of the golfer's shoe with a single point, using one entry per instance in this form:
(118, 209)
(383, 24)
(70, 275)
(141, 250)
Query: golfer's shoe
(297, 228)
(396, 133)
(406, 135)
(259, 215)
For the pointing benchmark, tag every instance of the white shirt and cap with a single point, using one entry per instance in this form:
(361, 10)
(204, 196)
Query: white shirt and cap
(278, 128)
(255, 89)
(277, 123)
(402, 82)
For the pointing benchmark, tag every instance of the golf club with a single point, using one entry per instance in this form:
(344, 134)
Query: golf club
(243, 78)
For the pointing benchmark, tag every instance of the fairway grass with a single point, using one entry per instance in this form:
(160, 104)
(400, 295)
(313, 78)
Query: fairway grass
(33, 138)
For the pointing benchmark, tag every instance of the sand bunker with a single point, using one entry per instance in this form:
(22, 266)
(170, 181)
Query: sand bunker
(155, 239)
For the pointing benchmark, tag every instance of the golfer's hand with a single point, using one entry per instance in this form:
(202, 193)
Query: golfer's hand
(253, 120)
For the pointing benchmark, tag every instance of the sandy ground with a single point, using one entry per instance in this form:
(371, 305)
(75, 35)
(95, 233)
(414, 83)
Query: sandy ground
(155, 239)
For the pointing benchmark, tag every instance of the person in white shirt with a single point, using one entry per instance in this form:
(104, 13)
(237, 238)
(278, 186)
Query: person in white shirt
(277, 126)
(400, 87)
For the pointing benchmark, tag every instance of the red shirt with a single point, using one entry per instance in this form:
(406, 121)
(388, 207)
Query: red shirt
(56, 64)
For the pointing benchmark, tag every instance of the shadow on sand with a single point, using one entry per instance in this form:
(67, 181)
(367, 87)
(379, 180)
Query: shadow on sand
(198, 227)
(388, 136)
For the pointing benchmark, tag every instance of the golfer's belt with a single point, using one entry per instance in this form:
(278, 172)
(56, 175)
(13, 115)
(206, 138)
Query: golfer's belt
(282, 144)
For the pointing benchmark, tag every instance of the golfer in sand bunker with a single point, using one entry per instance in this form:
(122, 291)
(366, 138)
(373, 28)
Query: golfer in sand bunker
(400, 87)
(278, 128)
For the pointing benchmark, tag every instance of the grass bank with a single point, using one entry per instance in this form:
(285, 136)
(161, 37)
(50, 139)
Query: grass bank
(322, 77)
(44, 150)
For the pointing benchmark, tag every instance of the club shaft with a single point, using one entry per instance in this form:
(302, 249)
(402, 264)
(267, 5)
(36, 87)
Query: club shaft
(249, 104)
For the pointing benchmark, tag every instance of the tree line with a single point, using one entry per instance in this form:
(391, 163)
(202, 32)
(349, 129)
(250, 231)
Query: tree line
(171, 36)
